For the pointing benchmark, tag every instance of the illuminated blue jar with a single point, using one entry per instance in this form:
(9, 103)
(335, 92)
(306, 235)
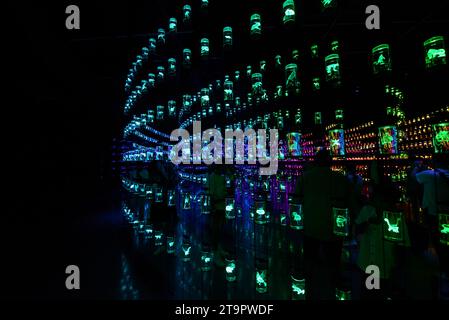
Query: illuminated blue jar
(230, 208)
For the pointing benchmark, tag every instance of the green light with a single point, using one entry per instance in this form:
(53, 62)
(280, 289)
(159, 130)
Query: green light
(341, 221)
(296, 216)
(445, 228)
(342, 295)
(327, 3)
(392, 227)
(289, 12)
(296, 289)
(332, 63)
(230, 270)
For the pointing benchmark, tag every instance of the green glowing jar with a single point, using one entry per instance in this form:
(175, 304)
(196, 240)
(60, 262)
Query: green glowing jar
(186, 251)
(171, 108)
(255, 25)
(170, 244)
(230, 208)
(393, 226)
(296, 216)
(186, 14)
(230, 269)
(443, 227)
(158, 238)
(206, 260)
(289, 12)
(298, 288)
(342, 294)
(204, 48)
(381, 58)
(341, 221)
(161, 36)
(435, 52)
(228, 91)
(227, 37)
(171, 71)
(260, 212)
(332, 65)
(172, 25)
(186, 200)
(261, 280)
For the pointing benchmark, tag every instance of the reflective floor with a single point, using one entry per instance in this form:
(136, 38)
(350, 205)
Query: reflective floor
(119, 261)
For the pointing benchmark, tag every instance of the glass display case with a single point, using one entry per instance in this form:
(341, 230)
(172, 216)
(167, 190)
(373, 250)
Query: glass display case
(388, 140)
(440, 134)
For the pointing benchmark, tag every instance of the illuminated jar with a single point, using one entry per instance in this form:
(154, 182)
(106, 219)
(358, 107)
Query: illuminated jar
(186, 103)
(171, 198)
(342, 294)
(296, 216)
(172, 25)
(171, 67)
(341, 221)
(218, 107)
(277, 61)
(149, 192)
(151, 80)
(230, 208)
(263, 66)
(186, 200)
(339, 115)
(255, 25)
(332, 63)
(186, 249)
(187, 57)
(152, 46)
(295, 55)
(158, 238)
(230, 269)
(291, 78)
(298, 289)
(206, 260)
(205, 204)
(283, 218)
(186, 14)
(261, 280)
(205, 97)
(435, 52)
(160, 73)
(443, 227)
(171, 108)
(256, 80)
(228, 91)
(260, 212)
(149, 231)
(204, 4)
(239, 210)
(170, 244)
(204, 48)
(227, 37)
(161, 36)
(317, 118)
(393, 226)
(158, 195)
(289, 12)
(381, 58)
(314, 51)
(335, 46)
(160, 113)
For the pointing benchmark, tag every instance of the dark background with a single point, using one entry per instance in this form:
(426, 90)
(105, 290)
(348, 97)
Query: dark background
(64, 98)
